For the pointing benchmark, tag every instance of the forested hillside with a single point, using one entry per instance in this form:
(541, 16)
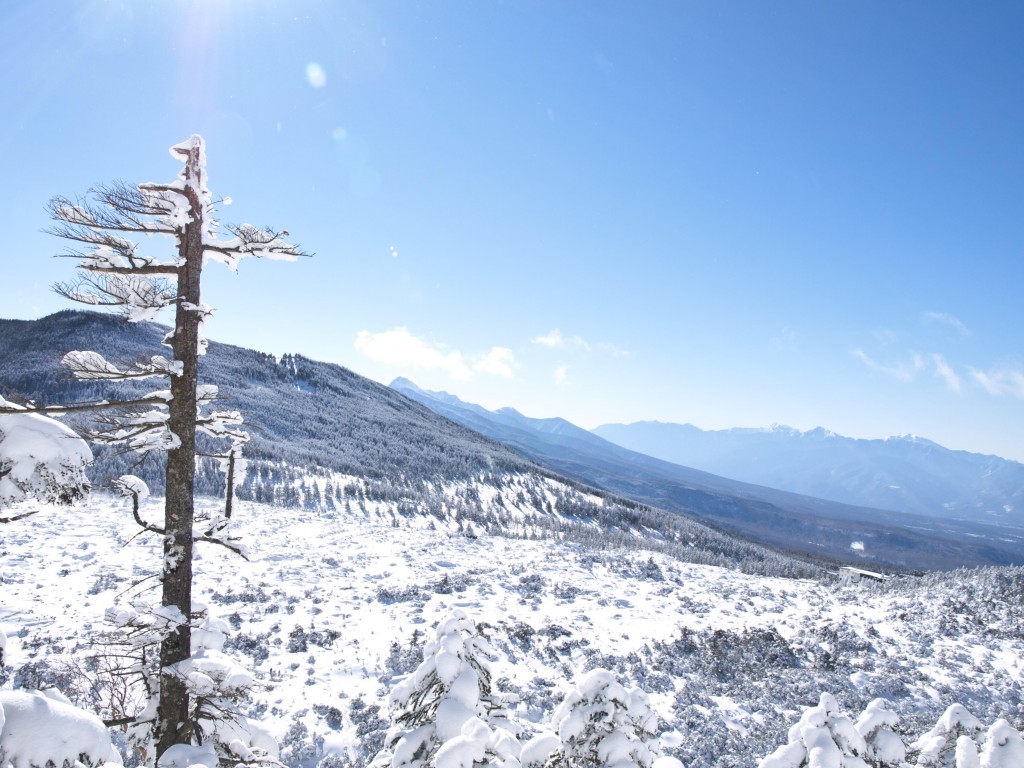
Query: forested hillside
(323, 438)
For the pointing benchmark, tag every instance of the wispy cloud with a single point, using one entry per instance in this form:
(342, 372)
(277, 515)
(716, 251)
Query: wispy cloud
(944, 318)
(555, 339)
(401, 348)
(945, 372)
(1001, 381)
(562, 374)
(904, 370)
(498, 362)
(907, 370)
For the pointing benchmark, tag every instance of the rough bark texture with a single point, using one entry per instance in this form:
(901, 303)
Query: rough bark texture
(173, 712)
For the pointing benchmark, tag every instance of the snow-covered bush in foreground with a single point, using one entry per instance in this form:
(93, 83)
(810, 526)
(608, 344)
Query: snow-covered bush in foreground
(823, 737)
(445, 713)
(952, 743)
(599, 723)
(1004, 747)
(884, 748)
(40, 728)
(40, 459)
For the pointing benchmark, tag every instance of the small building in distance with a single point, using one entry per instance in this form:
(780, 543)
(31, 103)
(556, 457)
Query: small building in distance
(850, 575)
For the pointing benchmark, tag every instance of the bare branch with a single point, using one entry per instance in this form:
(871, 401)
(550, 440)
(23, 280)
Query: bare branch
(125, 485)
(22, 516)
(236, 548)
(122, 721)
(96, 405)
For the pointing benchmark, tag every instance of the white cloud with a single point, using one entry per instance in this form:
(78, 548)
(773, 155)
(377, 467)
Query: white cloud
(498, 362)
(902, 371)
(908, 369)
(400, 348)
(944, 318)
(562, 374)
(945, 372)
(553, 339)
(1002, 381)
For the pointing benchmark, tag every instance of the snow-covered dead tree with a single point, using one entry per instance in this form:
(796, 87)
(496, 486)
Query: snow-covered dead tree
(118, 272)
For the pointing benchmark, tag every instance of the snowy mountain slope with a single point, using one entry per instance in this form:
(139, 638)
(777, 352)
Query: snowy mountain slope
(778, 518)
(299, 412)
(334, 606)
(909, 474)
(324, 437)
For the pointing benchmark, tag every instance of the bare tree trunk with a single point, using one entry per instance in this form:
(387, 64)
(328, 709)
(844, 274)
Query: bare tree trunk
(229, 494)
(173, 716)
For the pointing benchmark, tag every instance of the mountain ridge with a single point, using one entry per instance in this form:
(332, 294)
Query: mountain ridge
(781, 519)
(901, 473)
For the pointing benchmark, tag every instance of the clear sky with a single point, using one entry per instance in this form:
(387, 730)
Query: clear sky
(721, 213)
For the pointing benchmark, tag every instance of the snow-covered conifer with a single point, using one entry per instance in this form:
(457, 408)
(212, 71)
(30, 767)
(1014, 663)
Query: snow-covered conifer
(600, 723)
(952, 743)
(446, 713)
(823, 737)
(1004, 747)
(885, 749)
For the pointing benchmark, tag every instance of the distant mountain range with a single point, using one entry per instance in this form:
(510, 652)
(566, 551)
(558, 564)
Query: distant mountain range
(789, 521)
(906, 474)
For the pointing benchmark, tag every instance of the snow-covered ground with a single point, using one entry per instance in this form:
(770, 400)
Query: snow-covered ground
(333, 606)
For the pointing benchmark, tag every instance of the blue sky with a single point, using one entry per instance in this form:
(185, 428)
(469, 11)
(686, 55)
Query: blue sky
(727, 214)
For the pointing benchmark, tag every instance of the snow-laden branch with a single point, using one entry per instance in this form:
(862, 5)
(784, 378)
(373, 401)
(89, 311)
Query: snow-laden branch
(93, 366)
(139, 430)
(250, 241)
(141, 297)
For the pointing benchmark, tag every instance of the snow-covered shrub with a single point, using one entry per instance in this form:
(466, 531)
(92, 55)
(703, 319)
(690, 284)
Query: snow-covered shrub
(1004, 747)
(446, 713)
(884, 748)
(951, 742)
(39, 728)
(600, 723)
(823, 737)
(40, 459)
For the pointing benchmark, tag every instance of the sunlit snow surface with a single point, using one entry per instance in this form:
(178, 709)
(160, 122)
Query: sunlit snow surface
(354, 583)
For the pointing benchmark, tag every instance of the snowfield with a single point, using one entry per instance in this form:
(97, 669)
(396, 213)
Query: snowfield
(334, 607)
